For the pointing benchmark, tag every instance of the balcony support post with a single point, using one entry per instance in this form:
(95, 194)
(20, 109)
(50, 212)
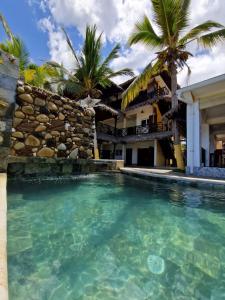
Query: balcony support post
(115, 125)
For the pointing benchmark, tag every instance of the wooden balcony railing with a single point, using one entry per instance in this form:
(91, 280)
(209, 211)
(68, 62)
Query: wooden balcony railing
(135, 130)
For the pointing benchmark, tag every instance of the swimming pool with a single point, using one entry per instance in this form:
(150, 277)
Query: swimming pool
(114, 237)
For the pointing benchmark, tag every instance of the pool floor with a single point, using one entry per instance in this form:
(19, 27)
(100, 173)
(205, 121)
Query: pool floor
(114, 237)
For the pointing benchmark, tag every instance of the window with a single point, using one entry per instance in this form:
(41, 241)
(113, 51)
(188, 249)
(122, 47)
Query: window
(144, 123)
(119, 152)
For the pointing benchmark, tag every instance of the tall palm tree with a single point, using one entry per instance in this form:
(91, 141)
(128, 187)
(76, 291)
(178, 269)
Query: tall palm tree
(171, 19)
(91, 72)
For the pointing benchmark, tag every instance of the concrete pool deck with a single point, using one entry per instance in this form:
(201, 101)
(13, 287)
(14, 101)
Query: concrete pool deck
(3, 238)
(171, 176)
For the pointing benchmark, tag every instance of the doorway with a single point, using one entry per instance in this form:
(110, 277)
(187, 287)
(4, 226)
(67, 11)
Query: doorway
(129, 153)
(146, 157)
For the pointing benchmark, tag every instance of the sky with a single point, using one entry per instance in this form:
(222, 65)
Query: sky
(39, 22)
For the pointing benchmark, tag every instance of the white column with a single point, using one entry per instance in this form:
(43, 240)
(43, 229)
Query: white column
(193, 136)
(205, 142)
(134, 155)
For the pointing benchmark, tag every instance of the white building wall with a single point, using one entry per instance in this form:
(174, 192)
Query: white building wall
(134, 147)
(205, 142)
(193, 136)
(133, 117)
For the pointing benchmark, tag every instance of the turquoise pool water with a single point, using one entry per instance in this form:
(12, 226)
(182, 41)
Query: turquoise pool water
(104, 237)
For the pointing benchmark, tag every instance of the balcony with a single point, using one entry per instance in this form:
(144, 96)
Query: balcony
(135, 133)
(150, 97)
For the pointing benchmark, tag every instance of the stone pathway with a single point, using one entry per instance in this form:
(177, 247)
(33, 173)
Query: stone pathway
(169, 175)
(3, 239)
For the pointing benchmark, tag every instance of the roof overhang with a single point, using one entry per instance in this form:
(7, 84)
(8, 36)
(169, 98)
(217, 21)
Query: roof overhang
(210, 92)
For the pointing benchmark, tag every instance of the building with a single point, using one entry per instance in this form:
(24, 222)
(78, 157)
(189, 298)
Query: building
(138, 135)
(205, 126)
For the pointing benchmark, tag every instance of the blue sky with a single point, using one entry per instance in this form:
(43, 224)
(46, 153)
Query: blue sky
(23, 19)
(116, 18)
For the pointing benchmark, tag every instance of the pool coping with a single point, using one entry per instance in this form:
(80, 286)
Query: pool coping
(173, 177)
(3, 238)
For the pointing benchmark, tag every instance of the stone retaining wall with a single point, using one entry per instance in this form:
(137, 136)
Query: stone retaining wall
(41, 167)
(9, 72)
(48, 125)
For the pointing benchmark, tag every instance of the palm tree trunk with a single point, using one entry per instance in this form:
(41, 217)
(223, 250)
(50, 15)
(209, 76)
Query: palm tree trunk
(176, 133)
(96, 152)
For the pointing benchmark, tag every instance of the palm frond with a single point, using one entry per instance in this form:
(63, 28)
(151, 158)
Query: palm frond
(123, 72)
(197, 31)
(162, 13)
(141, 82)
(112, 55)
(6, 27)
(209, 40)
(182, 16)
(74, 88)
(61, 69)
(17, 48)
(145, 34)
(71, 46)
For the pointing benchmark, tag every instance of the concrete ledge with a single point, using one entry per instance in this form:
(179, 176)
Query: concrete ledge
(169, 176)
(36, 166)
(3, 239)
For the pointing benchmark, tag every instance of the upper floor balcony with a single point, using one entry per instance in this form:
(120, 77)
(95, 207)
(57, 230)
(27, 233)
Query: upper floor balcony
(149, 97)
(134, 133)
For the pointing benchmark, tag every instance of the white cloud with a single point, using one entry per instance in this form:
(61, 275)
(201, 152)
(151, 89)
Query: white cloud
(117, 17)
(204, 66)
(58, 47)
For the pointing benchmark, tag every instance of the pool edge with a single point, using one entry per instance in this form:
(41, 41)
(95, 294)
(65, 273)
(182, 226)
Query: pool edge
(179, 179)
(3, 238)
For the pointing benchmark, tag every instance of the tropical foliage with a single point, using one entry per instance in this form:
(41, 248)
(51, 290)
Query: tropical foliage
(17, 48)
(39, 76)
(91, 71)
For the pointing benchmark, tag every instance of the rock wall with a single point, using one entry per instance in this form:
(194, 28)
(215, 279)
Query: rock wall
(36, 167)
(48, 125)
(9, 72)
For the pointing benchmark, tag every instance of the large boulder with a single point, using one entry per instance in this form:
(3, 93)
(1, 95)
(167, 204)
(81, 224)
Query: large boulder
(46, 152)
(32, 141)
(26, 98)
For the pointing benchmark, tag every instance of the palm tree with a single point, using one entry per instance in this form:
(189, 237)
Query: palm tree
(14, 45)
(17, 48)
(92, 72)
(171, 19)
(31, 73)
(36, 75)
